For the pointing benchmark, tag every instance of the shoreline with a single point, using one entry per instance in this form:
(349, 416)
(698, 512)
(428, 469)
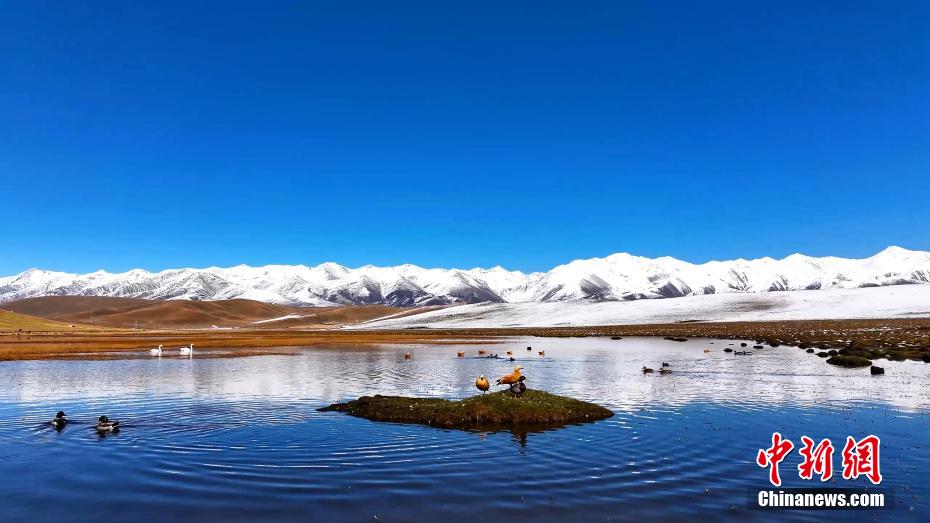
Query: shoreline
(898, 338)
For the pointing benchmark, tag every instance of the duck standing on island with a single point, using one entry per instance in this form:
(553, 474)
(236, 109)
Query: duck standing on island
(482, 383)
(518, 388)
(511, 378)
(60, 421)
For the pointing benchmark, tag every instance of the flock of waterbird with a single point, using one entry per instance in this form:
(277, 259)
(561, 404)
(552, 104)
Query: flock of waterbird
(103, 425)
(183, 351)
(665, 369)
(514, 380)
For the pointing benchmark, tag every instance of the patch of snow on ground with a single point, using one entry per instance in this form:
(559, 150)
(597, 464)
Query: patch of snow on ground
(902, 301)
(282, 318)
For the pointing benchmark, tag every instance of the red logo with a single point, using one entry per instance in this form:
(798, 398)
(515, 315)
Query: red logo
(859, 458)
(862, 459)
(819, 460)
(774, 455)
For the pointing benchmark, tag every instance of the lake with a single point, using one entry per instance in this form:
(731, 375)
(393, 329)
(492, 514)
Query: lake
(241, 439)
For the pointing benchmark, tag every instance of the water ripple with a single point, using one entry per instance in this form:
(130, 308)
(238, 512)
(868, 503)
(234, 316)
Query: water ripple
(241, 438)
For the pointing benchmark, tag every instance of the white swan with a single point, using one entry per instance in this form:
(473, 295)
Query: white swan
(187, 350)
(155, 352)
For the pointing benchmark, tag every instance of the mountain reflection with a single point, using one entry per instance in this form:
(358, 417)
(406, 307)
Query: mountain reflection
(598, 370)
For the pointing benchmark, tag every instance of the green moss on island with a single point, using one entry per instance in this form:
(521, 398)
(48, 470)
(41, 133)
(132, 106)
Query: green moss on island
(499, 409)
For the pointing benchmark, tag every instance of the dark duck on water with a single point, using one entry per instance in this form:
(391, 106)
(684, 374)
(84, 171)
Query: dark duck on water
(60, 421)
(105, 425)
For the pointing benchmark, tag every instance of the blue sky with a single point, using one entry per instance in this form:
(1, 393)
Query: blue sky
(459, 133)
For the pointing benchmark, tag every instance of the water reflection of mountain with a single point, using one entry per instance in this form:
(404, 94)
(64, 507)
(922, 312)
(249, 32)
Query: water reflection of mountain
(598, 370)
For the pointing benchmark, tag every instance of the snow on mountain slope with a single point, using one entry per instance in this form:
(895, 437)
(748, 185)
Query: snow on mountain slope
(619, 277)
(886, 302)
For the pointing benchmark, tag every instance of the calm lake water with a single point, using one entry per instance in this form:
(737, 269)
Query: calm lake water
(241, 439)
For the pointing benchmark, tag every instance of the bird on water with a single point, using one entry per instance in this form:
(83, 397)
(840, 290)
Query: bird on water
(105, 425)
(60, 421)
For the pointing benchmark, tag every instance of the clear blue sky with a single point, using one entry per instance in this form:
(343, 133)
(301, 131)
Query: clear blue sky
(462, 134)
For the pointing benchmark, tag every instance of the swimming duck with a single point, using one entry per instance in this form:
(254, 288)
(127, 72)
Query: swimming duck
(664, 370)
(529, 348)
(461, 355)
(482, 352)
(155, 352)
(518, 388)
(510, 353)
(105, 425)
(187, 350)
(60, 421)
(511, 378)
(407, 355)
(647, 370)
(482, 383)
(542, 353)
(706, 350)
(664, 364)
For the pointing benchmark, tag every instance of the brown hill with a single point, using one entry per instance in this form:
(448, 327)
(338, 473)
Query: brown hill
(171, 314)
(11, 322)
(54, 307)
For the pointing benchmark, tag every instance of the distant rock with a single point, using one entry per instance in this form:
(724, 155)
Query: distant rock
(849, 361)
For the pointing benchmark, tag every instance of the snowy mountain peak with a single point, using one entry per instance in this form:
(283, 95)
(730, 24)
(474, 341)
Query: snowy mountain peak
(895, 250)
(620, 276)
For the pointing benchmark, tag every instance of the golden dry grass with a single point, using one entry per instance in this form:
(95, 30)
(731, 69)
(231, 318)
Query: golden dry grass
(104, 343)
(11, 322)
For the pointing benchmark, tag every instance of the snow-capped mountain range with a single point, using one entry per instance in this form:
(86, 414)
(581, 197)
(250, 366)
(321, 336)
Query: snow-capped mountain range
(616, 277)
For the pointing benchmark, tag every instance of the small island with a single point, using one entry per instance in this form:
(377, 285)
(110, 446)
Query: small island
(500, 409)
